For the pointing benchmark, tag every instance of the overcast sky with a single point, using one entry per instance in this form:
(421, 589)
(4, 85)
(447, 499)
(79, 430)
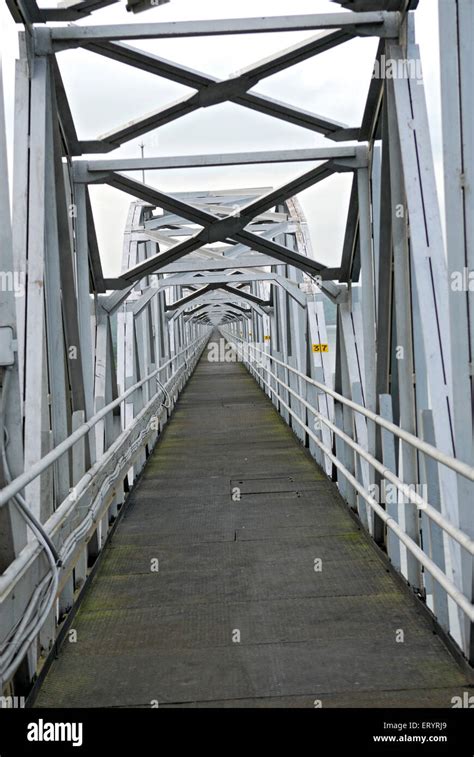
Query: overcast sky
(104, 95)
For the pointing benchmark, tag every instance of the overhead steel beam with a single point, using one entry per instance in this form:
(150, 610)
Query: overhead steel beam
(280, 252)
(159, 199)
(365, 24)
(219, 229)
(214, 301)
(235, 314)
(226, 93)
(227, 256)
(251, 75)
(239, 278)
(282, 193)
(85, 170)
(220, 263)
(212, 91)
(247, 295)
(190, 297)
(217, 287)
(209, 306)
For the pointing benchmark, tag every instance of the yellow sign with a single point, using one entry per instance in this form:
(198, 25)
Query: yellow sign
(320, 347)
(266, 338)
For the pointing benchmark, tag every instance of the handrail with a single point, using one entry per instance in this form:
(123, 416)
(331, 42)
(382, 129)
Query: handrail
(52, 524)
(428, 449)
(458, 597)
(45, 462)
(460, 536)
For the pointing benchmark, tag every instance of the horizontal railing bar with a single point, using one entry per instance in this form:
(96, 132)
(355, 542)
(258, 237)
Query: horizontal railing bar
(53, 524)
(451, 462)
(45, 462)
(458, 597)
(434, 515)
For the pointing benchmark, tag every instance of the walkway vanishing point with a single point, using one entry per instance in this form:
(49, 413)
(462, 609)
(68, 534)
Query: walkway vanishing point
(237, 615)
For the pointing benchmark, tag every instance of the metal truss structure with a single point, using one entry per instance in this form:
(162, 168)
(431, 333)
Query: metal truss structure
(91, 366)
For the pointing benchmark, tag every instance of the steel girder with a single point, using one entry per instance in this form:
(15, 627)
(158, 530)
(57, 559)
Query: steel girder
(456, 21)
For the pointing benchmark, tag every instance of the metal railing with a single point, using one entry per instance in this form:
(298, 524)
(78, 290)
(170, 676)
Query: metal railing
(42, 465)
(434, 515)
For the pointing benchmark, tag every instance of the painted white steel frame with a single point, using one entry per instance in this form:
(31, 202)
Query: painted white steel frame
(92, 365)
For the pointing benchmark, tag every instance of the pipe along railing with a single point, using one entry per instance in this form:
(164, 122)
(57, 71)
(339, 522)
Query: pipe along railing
(28, 591)
(434, 515)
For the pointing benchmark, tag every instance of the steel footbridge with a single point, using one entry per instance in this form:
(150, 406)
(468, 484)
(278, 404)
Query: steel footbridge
(231, 474)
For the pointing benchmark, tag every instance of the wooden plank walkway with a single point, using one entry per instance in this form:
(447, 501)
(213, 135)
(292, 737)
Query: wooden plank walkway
(237, 615)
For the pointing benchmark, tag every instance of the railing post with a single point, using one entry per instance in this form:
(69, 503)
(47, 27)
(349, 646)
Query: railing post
(433, 542)
(389, 458)
(78, 454)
